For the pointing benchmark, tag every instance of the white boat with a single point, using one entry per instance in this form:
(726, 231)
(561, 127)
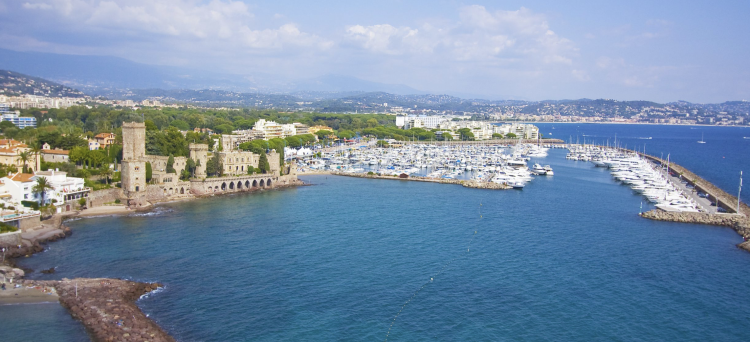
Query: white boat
(701, 141)
(548, 170)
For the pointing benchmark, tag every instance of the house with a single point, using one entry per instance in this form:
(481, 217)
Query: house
(55, 156)
(65, 190)
(93, 145)
(10, 154)
(105, 139)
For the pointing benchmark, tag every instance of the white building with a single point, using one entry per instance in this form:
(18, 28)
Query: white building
(20, 187)
(421, 121)
(14, 118)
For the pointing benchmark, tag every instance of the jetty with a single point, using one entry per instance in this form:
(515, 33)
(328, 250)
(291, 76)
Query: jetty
(717, 207)
(404, 177)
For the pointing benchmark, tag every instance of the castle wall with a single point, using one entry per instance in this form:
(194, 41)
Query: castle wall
(159, 163)
(237, 162)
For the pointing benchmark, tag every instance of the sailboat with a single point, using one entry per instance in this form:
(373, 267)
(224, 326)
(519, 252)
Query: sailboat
(701, 141)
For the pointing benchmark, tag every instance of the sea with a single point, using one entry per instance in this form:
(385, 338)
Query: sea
(349, 259)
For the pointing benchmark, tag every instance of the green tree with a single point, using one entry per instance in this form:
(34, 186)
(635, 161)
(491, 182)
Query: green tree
(78, 155)
(180, 124)
(263, 164)
(447, 136)
(381, 143)
(465, 134)
(41, 187)
(24, 158)
(323, 134)
(214, 166)
(497, 135)
(250, 170)
(190, 167)
(170, 164)
(151, 126)
(510, 136)
(106, 172)
(149, 172)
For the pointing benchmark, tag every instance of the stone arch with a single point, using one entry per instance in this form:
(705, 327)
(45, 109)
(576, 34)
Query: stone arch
(262, 183)
(182, 191)
(165, 191)
(231, 185)
(268, 182)
(239, 185)
(216, 188)
(224, 186)
(255, 183)
(247, 184)
(171, 191)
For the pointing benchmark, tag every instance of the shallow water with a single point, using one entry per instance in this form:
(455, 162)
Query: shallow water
(567, 258)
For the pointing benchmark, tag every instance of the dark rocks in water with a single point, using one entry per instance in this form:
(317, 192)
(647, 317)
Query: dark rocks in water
(49, 271)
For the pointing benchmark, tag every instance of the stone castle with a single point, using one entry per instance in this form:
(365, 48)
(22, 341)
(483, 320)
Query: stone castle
(167, 185)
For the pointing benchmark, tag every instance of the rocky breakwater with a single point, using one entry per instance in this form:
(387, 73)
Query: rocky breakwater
(486, 185)
(32, 240)
(740, 223)
(107, 309)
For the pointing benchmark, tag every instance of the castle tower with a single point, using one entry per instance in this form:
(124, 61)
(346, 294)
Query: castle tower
(133, 140)
(133, 158)
(199, 154)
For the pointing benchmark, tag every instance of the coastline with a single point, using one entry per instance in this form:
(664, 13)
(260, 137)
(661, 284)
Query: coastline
(106, 307)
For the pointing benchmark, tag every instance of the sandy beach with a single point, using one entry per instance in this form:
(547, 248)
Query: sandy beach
(106, 210)
(24, 295)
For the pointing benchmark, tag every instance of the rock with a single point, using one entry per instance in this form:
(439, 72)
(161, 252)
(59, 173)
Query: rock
(49, 271)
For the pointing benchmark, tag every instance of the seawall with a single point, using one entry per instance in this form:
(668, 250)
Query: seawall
(486, 142)
(466, 183)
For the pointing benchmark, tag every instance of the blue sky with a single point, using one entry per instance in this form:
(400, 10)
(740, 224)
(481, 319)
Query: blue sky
(635, 50)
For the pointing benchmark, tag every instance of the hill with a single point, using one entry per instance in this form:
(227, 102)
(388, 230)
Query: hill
(13, 84)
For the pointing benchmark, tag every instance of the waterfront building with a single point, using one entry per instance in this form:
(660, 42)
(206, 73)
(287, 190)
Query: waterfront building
(64, 189)
(421, 121)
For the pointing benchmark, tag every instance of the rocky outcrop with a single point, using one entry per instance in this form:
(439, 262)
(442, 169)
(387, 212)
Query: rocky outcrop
(107, 309)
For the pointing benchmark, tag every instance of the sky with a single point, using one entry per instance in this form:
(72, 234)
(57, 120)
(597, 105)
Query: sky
(660, 51)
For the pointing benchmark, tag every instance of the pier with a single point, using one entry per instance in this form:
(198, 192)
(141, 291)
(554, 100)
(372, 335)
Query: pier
(735, 214)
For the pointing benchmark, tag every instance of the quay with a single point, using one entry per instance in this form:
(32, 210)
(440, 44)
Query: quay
(465, 183)
(486, 142)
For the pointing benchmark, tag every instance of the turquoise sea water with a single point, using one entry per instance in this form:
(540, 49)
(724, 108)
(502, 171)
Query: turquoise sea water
(567, 258)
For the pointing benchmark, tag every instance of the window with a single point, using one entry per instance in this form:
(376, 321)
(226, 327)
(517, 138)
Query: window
(137, 168)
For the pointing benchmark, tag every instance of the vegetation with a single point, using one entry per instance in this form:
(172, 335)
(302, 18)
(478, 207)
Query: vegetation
(263, 165)
(149, 172)
(6, 228)
(41, 187)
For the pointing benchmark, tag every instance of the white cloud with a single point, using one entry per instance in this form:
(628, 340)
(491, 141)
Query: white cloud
(227, 21)
(479, 35)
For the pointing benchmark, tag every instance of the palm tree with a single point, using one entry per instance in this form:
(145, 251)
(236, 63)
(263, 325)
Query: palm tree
(36, 150)
(24, 158)
(106, 172)
(41, 187)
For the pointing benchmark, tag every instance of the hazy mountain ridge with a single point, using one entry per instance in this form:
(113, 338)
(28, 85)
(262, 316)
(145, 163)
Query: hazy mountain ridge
(14, 84)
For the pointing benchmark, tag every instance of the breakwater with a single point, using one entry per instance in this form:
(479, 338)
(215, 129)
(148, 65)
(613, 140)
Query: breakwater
(740, 223)
(106, 307)
(486, 142)
(465, 183)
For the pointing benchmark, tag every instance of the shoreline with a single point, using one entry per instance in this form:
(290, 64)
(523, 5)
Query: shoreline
(106, 307)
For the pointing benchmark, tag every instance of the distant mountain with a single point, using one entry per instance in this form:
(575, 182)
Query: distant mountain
(339, 83)
(13, 84)
(99, 74)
